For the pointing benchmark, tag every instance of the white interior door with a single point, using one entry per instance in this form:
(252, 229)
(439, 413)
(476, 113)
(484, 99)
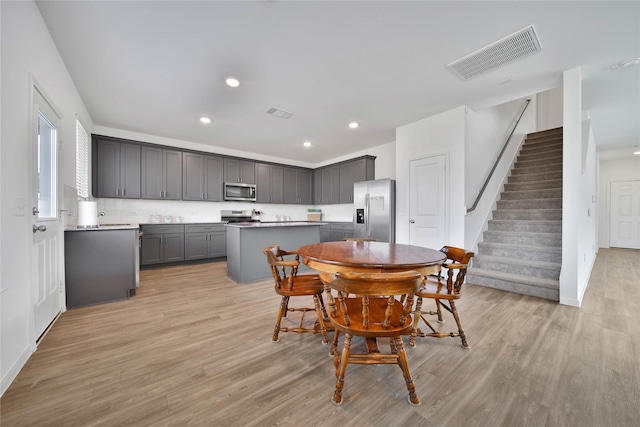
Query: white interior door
(427, 193)
(624, 220)
(46, 230)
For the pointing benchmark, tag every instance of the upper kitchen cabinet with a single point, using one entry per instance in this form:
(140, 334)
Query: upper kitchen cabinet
(116, 168)
(297, 186)
(269, 183)
(330, 185)
(161, 173)
(236, 170)
(201, 177)
(362, 169)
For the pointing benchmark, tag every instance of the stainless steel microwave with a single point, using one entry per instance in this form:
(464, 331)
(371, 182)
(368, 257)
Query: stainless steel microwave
(239, 191)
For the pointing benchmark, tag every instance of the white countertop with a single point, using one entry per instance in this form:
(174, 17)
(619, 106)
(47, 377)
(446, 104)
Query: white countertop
(105, 227)
(275, 224)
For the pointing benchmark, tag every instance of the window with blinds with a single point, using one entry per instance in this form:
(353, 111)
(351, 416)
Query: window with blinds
(82, 160)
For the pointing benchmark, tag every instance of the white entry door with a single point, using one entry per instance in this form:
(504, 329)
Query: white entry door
(427, 192)
(624, 226)
(45, 227)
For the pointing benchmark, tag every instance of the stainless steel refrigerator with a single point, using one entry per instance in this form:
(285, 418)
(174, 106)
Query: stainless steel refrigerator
(375, 209)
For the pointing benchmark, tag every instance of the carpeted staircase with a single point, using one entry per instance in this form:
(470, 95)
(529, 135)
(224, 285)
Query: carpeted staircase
(522, 249)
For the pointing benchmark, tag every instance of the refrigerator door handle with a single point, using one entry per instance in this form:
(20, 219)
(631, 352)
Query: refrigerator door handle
(367, 225)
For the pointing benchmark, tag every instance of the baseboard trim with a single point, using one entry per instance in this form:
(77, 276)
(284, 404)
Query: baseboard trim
(15, 369)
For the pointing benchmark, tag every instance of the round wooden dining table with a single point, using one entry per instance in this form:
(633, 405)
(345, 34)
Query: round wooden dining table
(371, 257)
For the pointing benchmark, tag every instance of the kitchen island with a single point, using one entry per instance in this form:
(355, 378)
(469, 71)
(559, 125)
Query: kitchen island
(246, 240)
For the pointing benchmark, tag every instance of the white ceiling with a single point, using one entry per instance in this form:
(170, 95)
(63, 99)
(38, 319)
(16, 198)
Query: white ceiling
(156, 67)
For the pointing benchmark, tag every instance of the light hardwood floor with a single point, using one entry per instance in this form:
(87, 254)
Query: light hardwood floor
(194, 348)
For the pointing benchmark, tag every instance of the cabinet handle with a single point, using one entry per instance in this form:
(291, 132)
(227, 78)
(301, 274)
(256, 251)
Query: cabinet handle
(117, 191)
(124, 191)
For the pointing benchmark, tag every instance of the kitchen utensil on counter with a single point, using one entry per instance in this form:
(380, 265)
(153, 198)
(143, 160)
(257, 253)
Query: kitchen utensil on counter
(155, 219)
(177, 220)
(167, 219)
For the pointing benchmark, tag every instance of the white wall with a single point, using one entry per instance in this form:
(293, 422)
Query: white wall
(549, 105)
(27, 49)
(587, 244)
(440, 134)
(627, 169)
(578, 188)
(487, 131)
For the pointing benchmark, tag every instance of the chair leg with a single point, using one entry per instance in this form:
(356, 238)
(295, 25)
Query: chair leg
(323, 328)
(341, 368)
(439, 311)
(463, 337)
(334, 343)
(416, 320)
(404, 365)
(283, 310)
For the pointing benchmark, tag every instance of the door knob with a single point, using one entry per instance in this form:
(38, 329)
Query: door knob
(411, 221)
(39, 228)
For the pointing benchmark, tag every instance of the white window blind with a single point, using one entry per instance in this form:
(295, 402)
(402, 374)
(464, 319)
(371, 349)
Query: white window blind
(82, 160)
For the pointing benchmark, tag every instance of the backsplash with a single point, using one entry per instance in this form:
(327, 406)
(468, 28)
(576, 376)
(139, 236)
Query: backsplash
(138, 211)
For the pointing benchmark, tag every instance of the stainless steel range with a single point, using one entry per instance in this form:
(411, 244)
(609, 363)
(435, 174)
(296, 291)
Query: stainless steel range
(232, 216)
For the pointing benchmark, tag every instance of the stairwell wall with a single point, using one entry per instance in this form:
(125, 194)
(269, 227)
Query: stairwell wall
(486, 132)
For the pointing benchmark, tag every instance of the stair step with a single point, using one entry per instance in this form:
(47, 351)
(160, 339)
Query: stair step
(523, 238)
(526, 163)
(549, 167)
(533, 185)
(539, 155)
(538, 147)
(528, 214)
(533, 253)
(551, 193)
(535, 176)
(530, 204)
(524, 267)
(551, 131)
(533, 286)
(529, 226)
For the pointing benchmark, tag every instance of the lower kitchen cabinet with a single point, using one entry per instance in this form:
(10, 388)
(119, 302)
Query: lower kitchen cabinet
(336, 231)
(161, 244)
(167, 243)
(205, 241)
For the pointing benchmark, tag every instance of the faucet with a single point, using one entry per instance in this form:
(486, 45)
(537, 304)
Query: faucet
(101, 214)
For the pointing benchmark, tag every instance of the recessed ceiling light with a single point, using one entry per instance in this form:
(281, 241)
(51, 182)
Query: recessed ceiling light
(307, 144)
(232, 81)
(353, 125)
(636, 152)
(205, 119)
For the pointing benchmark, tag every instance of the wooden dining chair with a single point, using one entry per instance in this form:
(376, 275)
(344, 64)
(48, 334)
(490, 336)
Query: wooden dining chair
(288, 283)
(371, 305)
(359, 239)
(444, 295)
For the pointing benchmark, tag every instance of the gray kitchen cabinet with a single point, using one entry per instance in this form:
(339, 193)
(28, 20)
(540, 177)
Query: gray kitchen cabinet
(116, 168)
(161, 173)
(236, 170)
(340, 230)
(161, 243)
(297, 186)
(352, 172)
(330, 185)
(317, 186)
(269, 187)
(205, 241)
(201, 177)
(100, 265)
(325, 233)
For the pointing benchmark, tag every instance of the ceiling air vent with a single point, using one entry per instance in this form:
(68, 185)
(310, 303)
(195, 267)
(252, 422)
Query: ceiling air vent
(279, 113)
(511, 48)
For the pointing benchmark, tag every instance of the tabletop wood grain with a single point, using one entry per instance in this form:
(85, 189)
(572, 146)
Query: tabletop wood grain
(370, 257)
